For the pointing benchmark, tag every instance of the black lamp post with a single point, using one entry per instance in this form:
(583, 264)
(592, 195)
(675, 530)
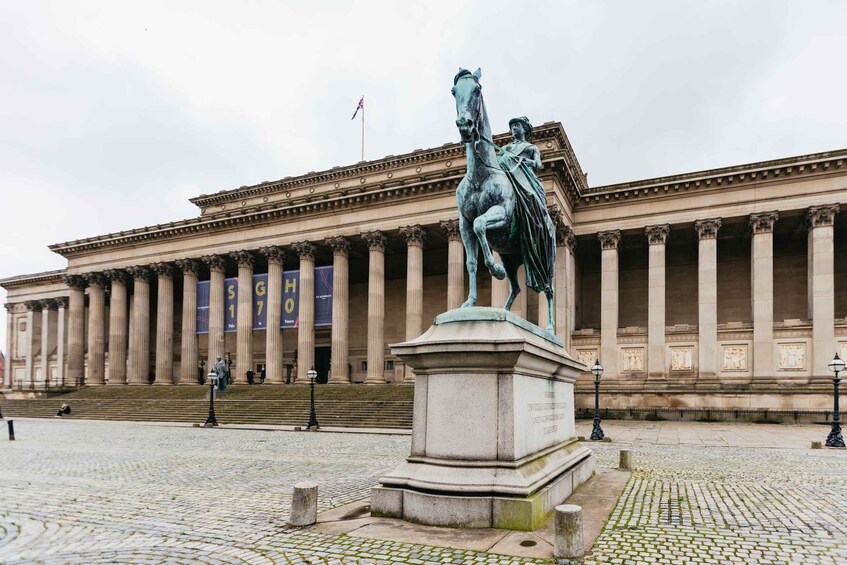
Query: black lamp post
(313, 418)
(213, 381)
(834, 438)
(597, 431)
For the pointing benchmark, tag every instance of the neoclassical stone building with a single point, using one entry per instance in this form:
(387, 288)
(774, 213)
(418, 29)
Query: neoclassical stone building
(717, 288)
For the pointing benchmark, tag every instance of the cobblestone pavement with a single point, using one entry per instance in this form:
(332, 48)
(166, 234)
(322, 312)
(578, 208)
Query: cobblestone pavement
(114, 492)
(705, 504)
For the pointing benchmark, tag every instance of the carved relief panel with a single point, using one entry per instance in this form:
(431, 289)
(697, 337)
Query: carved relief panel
(734, 357)
(682, 358)
(633, 359)
(792, 356)
(586, 357)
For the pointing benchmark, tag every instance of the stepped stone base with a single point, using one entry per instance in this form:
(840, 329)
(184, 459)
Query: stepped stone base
(493, 430)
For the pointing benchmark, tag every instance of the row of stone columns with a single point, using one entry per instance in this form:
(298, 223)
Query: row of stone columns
(40, 310)
(821, 295)
(128, 336)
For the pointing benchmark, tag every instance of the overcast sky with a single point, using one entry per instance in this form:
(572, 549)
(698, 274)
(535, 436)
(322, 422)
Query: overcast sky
(113, 114)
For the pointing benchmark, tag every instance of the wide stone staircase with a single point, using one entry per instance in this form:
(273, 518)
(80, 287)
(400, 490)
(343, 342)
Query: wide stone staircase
(349, 406)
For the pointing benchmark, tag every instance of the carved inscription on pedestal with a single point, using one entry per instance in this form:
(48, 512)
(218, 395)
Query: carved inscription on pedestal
(586, 357)
(633, 359)
(547, 414)
(734, 358)
(682, 358)
(792, 356)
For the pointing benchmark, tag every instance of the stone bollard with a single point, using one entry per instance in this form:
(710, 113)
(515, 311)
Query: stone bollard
(626, 460)
(568, 532)
(304, 504)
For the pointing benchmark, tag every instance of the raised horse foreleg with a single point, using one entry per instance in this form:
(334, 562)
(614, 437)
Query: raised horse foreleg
(471, 250)
(494, 218)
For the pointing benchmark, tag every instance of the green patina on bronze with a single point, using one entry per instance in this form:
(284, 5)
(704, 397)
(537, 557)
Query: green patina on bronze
(502, 205)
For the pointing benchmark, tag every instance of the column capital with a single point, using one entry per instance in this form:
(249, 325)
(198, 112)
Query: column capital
(95, 279)
(817, 216)
(188, 266)
(375, 240)
(274, 254)
(163, 270)
(451, 229)
(9, 306)
(75, 282)
(33, 305)
(304, 249)
(116, 275)
(243, 257)
(658, 234)
(414, 235)
(707, 229)
(339, 245)
(47, 303)
(139, 272)
(609, 239)
(215, 262)
(565, 236)
(61, 302)
(763, 222)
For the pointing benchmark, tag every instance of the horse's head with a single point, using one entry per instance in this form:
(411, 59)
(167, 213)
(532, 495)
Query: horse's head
(468, 93)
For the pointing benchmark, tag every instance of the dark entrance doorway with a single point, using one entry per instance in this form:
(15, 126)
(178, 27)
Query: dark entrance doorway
(322, 364)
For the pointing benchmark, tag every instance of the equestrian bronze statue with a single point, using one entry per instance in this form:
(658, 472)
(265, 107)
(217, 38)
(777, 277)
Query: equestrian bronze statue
(502, 205)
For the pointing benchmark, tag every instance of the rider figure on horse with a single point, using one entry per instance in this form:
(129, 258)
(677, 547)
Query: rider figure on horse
(519, 160)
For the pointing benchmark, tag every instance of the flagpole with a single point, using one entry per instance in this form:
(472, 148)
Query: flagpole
(363, 131)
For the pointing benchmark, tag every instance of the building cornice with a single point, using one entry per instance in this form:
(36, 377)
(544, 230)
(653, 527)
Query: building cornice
(274, 211)
(548, 131)
(726, 177)
(45, 277)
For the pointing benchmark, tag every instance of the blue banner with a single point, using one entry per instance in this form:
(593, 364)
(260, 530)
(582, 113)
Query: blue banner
(323, 296)
(203, 307)
(290, 301)
(230, 304)
(260, 302)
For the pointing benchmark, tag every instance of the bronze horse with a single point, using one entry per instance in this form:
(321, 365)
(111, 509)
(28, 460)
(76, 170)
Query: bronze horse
(497, 213)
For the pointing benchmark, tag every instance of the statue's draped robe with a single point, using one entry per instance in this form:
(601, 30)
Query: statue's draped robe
(531, 223)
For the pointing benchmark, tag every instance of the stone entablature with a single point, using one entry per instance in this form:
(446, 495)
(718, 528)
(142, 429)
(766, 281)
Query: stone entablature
(46, 277)
(416, 166)
(776, 170)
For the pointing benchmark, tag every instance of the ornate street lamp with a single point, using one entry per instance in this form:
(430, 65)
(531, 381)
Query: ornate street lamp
(597, 431)
(213, 381)
(313, 419)
(834, 439)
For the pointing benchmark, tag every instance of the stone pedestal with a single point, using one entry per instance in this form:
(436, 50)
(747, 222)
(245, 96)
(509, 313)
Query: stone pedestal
(493, 441)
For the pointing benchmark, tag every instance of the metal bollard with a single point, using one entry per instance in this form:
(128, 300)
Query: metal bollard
(11, 430)
(304, 504)
(568, 544)
(626, 460)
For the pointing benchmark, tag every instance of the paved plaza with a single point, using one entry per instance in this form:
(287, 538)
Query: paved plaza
(109, 492)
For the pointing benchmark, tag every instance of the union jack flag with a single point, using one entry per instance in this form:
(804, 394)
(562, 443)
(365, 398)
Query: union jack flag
(360, 106)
